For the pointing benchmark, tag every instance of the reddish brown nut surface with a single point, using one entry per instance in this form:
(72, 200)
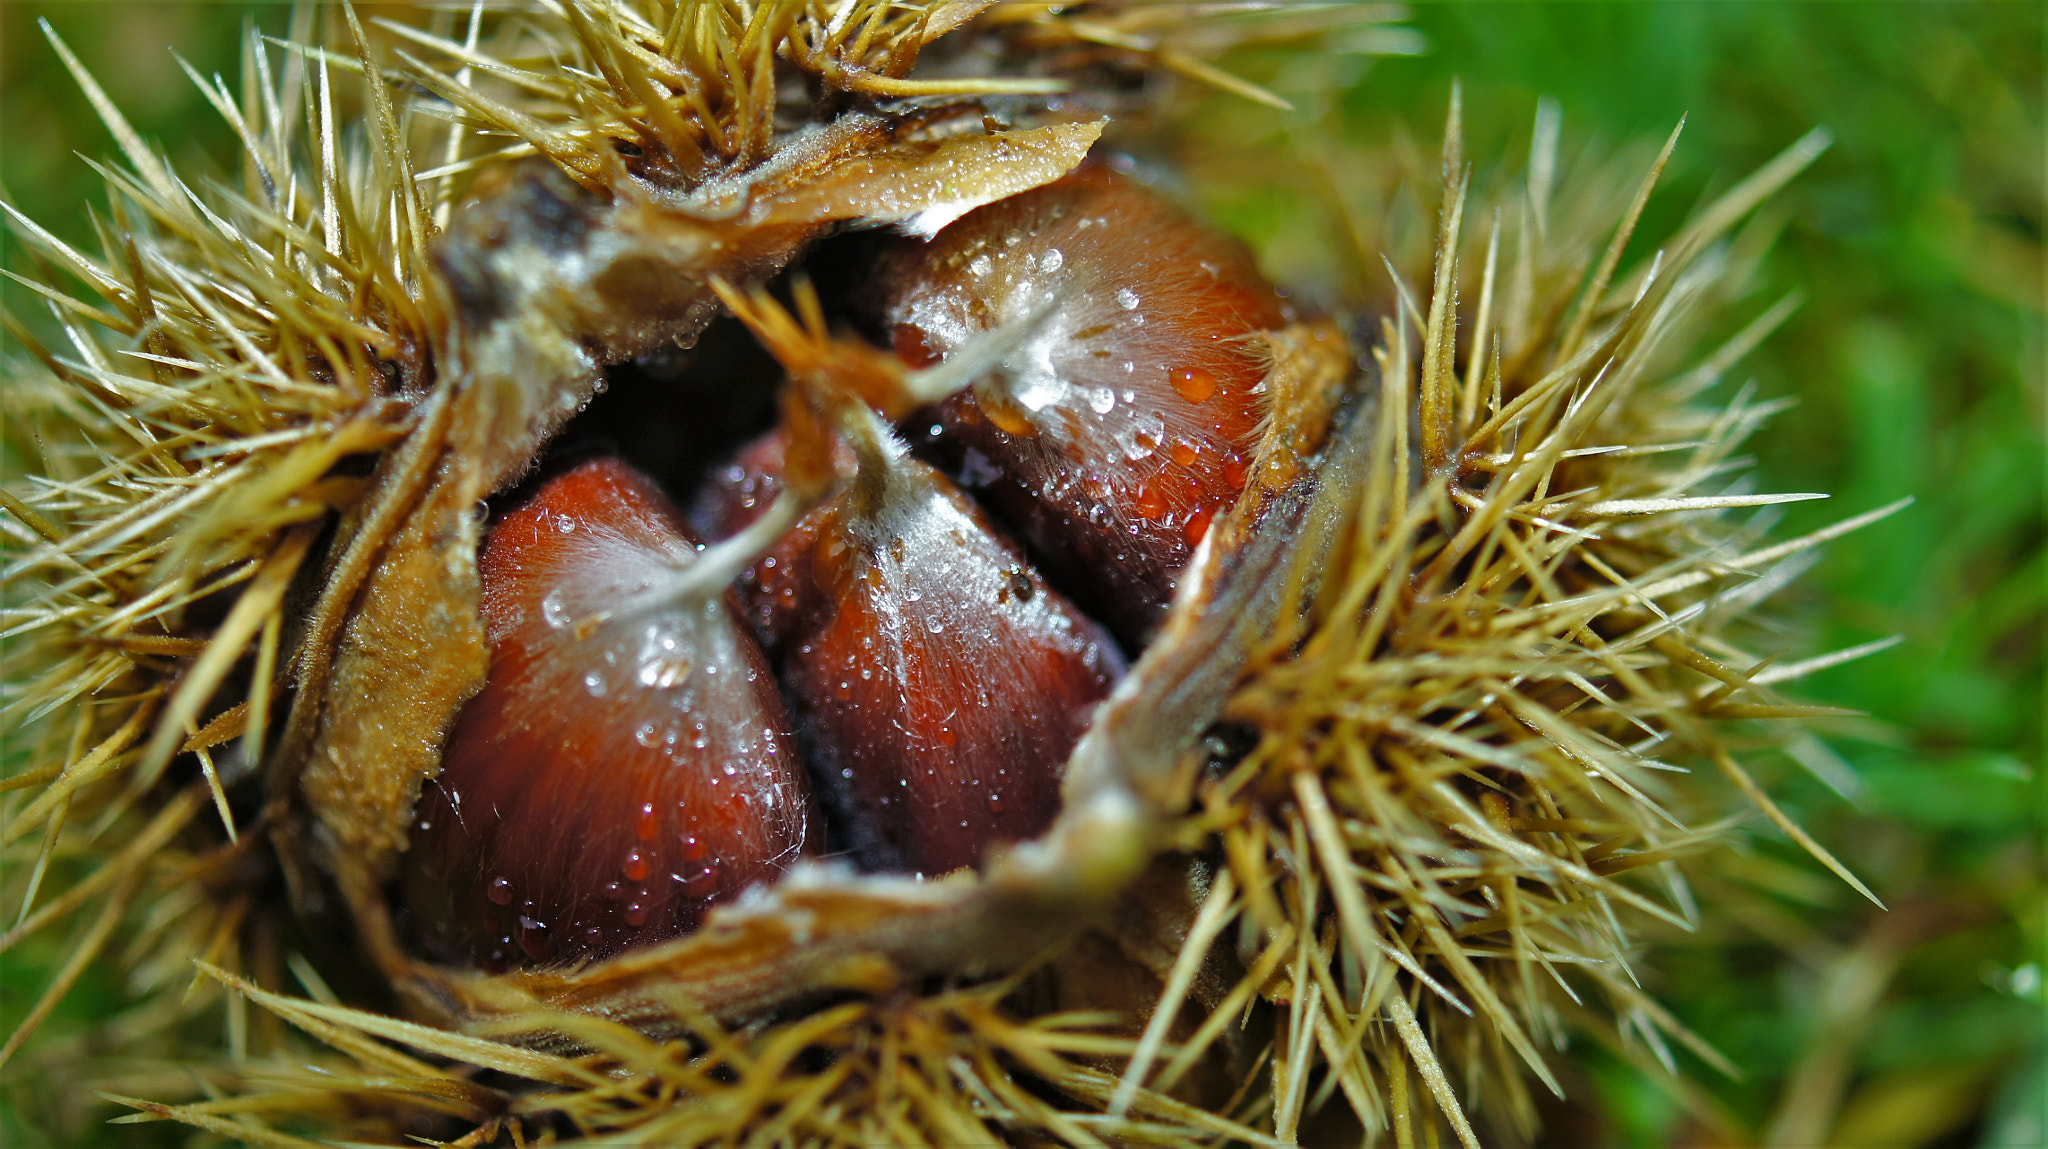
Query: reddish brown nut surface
(628, 761)
(938, 683)
(1126, 420)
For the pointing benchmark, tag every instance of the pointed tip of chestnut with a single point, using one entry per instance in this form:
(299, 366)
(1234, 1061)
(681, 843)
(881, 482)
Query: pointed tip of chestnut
(621, 770)
(938, 682)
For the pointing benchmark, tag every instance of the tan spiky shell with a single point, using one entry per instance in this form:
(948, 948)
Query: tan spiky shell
(1493, 587)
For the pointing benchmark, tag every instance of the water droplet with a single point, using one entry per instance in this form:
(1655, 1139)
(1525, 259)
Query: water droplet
(1102, 400)
(1194, 384)
(995, 802)
(1051, 261)
(703, 883)
(979, 266)
(533, 938)
(499, 891)
(647, 735)
(1127, 299)
(694, 848)
(635, 914)
(552, 610)
(1184, 452)
(1021, 588)
(1197, 527)
(645, 825)
(1150, 503)
(937, 625)
(1235, 470)
(594, 683)
(613, 891)
(636, 867)
(565, 524)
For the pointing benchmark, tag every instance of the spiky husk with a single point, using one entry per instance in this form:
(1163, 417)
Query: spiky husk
(1421, 876)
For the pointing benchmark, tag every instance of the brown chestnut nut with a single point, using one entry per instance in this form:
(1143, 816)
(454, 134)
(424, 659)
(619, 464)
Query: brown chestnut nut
(938, 683)
(1126, 419)
(628, 761)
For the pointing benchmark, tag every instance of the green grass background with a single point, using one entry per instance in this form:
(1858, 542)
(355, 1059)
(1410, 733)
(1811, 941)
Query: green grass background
(1917, 360)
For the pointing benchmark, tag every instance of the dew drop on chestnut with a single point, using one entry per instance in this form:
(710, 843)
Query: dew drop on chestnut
(565, 807)
(1194, 384)
(1146, 308)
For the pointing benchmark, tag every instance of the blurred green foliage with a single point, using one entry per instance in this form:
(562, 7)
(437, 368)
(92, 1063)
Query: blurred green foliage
(1917, 359)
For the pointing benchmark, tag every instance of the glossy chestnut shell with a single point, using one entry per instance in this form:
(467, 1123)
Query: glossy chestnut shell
(1128, 418)
(628, 762)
